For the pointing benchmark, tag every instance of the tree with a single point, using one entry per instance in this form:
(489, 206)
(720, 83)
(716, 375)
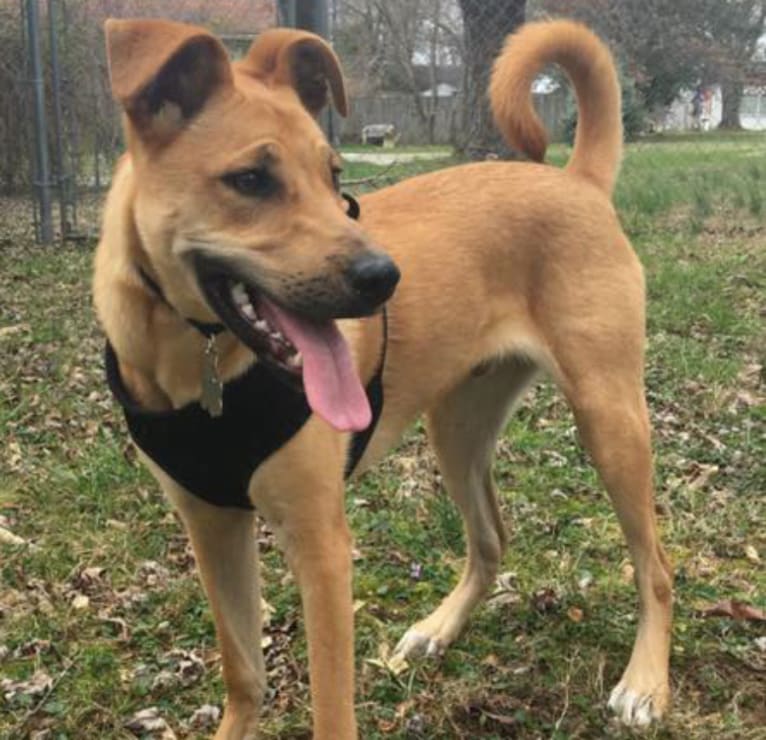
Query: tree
(668, 45)
(655, 41)
(14, 102)
(390, 43)
(387, 43)
(730, 29)
(486, 23)
(417, 30)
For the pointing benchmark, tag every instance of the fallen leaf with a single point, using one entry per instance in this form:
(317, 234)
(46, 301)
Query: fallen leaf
(38, 685)
(90, 577)
(394, 664)
(545, 600)
(33, 647)
(734, 610)
(505, 592)
(120, 623)
(9, 538)
(149, 721)
(700, 475)
(502, 719)
(205, 718)
(387, 725)
(153, 574)
(7, 331)
(575, 613)
(80, 601)
(415, 725)
(628, 573)
(267, 612)
(188, 667)
(163, 680)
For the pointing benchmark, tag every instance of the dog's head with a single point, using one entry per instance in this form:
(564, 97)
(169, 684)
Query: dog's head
(236, 199)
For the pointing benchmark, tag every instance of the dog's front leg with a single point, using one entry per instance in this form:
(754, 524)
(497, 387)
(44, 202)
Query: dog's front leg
(300, 492)
(319, 552)
(227, 559)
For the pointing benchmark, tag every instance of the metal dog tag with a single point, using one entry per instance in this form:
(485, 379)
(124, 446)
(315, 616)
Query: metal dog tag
(212, 388)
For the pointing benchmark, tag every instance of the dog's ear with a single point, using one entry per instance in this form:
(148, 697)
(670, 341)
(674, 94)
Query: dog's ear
(162, 73)
(302, 60)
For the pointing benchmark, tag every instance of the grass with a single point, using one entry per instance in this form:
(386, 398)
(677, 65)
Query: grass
(102, 610)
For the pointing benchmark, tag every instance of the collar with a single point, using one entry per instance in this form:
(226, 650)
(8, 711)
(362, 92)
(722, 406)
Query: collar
(207, 330)
(211, 330)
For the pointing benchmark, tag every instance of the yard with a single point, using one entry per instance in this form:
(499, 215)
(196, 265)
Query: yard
(101, 615)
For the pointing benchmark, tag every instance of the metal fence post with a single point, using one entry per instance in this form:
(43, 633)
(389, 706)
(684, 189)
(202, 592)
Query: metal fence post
(312, 16)
(62, 178)
(42, 173)
(288, 12)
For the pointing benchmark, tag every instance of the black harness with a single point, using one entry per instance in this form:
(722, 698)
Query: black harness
(214, 458)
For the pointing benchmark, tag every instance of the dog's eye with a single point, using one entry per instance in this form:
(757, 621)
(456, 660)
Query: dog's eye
(336, 177)
(258, 182)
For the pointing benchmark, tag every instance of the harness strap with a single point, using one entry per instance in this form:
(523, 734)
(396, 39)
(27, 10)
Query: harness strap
(374, 389)
(214, 458)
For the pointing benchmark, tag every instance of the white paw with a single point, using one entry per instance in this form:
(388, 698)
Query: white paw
(415, 644)
(637, 709)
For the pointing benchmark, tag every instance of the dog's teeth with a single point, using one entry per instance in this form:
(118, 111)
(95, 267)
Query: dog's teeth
(249, 311)
(239, 294)
(261, 325)
(295, 360)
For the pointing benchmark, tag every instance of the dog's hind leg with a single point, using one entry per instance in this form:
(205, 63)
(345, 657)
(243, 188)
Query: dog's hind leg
(463, 430)
(227, 558)
(604, 385)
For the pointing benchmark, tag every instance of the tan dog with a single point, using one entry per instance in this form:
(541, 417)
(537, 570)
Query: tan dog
(225, 210)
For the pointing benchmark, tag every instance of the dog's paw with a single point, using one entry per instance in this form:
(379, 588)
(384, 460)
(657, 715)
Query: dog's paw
(638, 708)
(416, 644)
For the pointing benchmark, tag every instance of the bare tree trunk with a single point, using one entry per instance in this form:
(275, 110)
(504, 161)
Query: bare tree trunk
(486, 24)
(731, 94)
(432, 68)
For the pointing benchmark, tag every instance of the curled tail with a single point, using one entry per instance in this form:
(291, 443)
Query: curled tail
(589, 65)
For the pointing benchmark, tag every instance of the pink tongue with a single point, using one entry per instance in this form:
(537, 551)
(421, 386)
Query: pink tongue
(333, 388)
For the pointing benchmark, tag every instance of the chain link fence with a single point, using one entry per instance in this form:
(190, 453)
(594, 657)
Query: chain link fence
(60, 131)
(422, 67)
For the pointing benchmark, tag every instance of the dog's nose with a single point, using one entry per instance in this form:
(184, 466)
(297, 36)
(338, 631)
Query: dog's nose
(373, 277)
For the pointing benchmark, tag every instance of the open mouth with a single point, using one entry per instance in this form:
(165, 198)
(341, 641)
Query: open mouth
(272, 345)
(308, 354)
